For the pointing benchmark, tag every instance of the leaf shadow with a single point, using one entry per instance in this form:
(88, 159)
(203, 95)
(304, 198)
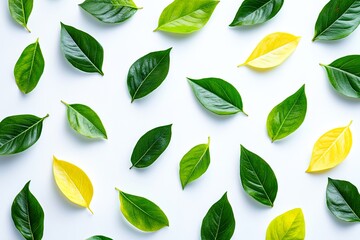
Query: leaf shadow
(177, 36)
(9, 159)
(247, 29)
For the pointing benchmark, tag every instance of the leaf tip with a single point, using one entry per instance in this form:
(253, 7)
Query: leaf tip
(351, 121)
(46, 116)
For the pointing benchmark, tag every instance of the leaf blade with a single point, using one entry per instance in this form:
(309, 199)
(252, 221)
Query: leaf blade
(99, 237)
(20, 11)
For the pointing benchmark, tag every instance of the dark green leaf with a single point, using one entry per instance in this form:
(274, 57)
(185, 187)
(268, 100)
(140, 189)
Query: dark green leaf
(338, 19)
(110, 11)
(81, 49)
(183, 16)
(343, 200)
(194, 163)
(99, 237)
(287, 116)
(150, 146)
(85, 121)
(217, 95)
(28, 215)
(219, 221)
(18, 133)
(257, 178)
(29, 67)
(147, 73)
(142, 213)
(253, 12)
(20, 11)
(344, 75)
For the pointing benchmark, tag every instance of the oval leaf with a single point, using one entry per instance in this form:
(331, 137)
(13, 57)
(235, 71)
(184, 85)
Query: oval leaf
(73, 183)
(219, 221)
(150, 146)
(343, 200)
(182, 16)
(147, 73)
(344, 75)
(29, 68)
(18, 133)
(257, 178)
(81, 49)
(252, 12)
(28, 215)
(331, 149)
(110, 11)
(288, 226)
(20, 11)
(338, 19)
(273, 50)
(287, 116)
(142, 213)
(217, 95)
(85, 121)
(99, 237)
(194, 163)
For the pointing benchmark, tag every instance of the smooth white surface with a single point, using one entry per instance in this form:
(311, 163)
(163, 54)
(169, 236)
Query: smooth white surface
(213, 51)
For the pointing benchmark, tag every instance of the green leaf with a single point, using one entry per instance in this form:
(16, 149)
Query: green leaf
(287, 116)
(28, 215)
(183, 16)
(344, 75)
(150, 146)
(81, 49)
(85, 121)
(147, 73)
(194, 163)
(19, 132)
(338, 19)
(252, 12)
(257, 178)
(142, 213)
(343, 200)
(29, 68)
(20, 11)
(99, 237)
(110, 11)
(217, 95)
(219, 221)
(287, 226)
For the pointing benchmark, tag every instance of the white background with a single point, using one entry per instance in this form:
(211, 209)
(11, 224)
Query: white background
(214, 51)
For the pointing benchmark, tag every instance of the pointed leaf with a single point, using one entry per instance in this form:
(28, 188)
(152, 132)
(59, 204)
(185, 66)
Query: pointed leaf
(81, 50)
(19, 132)
(29, 68)
(257, 178)
(252, 12)
(287, 116)
(28, 215)
(343, 200)
(98, 237)
(147, 73)
(217, 95)
(85, 121)
(184, 17)
(142, 213)
(150, 146)
(20, 11)
(219, 221)
(194, 163)
(344, 75)
(110, 11)
(73, 183)
(331, 149)
(287, 226)
(338, 19)
(273, 50)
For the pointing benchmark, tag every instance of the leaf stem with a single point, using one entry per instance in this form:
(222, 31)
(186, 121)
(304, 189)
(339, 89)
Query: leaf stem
(117, 189)
(26, 27)
(90, 210)
(64, 103)
(47, 115)
(240, 65)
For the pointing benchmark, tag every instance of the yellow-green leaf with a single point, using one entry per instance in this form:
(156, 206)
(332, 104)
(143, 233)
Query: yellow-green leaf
(331, 149)
(273, 50)
(73, 183)
(287, 226)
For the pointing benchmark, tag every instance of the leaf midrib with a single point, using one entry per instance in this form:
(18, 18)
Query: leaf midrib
(28, 216)
(259, 8)
(343, 71)
(218, 223)
(345, 201)
(197, 163)
(288, 230)
(32, 64)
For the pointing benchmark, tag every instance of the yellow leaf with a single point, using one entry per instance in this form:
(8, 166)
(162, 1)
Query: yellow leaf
(73, 183)
(331, 149)
(273, 50)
